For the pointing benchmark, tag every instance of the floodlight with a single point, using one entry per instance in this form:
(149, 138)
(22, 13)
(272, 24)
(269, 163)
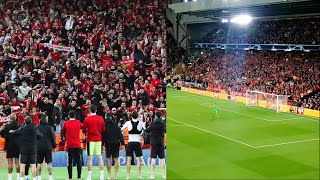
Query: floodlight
(241, 19)
(224, 20)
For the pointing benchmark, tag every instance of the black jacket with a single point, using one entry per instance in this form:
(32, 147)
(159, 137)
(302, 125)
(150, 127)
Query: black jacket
(12, 143)
(58, 114)
(28, 138)
(48, 140)
(157, 129)
(113, 134)
(78, 111)
(144, 98)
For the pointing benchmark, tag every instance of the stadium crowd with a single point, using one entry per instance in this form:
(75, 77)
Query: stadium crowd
(284, 31)
(294, 74)
(61, 57)
(58, 56)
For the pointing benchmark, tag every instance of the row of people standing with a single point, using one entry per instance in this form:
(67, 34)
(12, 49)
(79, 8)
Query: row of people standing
(36, 143)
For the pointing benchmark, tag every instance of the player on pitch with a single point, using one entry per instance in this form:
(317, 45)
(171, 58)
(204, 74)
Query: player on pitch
(11, 145)
(215, 110)
(28, 146)
(94, 126)
(135, 128)
(157, 129)
(112, 138)
(45, 145)
(71, 133)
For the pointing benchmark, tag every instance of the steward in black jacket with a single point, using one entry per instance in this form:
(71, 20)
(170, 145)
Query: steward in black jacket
(12, 143)
(28, 137)
(157, 129)
(113, 134)
(48, 140)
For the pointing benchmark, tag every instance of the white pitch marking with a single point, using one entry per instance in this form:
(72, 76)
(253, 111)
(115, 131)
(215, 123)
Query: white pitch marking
(141, 171)
(213, 133)
(176, 125)
(292, 142)
(286, 119)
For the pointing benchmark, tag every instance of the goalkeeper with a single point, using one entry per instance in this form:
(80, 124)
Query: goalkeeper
(215, 110)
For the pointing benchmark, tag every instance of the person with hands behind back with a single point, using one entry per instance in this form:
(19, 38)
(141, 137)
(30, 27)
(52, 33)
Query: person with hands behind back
(157, 129)
(112, 139)
(28, 146)
(71, 133)
(11, 145)
(45, 145)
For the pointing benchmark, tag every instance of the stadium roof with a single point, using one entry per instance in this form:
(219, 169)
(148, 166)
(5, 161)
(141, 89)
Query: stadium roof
(217, 9)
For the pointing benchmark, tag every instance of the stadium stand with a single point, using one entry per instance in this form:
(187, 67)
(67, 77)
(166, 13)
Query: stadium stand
(281, 31)
(288, 73)
(102, 52)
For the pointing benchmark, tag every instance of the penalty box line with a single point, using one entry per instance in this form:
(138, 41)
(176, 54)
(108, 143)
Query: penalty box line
(246, 144)
(285, 143)
(255, 117)
(195, 127)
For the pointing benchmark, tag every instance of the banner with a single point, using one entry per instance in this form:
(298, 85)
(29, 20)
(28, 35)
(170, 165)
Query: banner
(14, 56)
(4, 119)
(127, 64)
(59, 159)
(59, 48)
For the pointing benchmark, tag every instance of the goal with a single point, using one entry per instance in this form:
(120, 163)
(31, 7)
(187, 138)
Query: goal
(266, 100)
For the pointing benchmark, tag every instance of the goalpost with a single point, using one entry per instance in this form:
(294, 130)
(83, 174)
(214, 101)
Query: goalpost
(267, 100)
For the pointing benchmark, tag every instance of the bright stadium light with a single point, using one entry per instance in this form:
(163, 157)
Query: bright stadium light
(224, 20)
(185, 0)
(194, 0)
(242, 19)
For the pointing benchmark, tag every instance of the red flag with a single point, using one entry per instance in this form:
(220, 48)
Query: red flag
(128, 64)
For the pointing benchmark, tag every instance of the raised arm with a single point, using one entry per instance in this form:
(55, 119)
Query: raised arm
(125, 126)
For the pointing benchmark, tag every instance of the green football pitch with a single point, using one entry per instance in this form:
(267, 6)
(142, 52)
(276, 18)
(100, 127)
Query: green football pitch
(61, 173)
(241, 143)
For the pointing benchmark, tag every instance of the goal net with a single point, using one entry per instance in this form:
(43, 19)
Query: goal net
(266, 100)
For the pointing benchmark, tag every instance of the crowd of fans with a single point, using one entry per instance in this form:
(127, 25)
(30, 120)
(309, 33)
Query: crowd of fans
(284, 31)
(294, 74)
(57, 56)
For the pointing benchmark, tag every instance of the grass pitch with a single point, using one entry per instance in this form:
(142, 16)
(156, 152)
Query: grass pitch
(242, 143)
(61, 173)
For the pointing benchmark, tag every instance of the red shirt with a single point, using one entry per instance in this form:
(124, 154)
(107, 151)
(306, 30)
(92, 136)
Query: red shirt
(36, 118)
(21, 118)
(71, 130)
(155, 82)
(85, 110)
(93, 126)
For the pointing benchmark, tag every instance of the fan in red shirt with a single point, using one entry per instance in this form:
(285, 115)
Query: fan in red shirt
(86, 108)
(154, 81)
(4, 98)
(147, 87)
(35, 115)
(133, 107)
(71, 133)
(22, 115)
(15, 105)
(94, 126)
(28, 103)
